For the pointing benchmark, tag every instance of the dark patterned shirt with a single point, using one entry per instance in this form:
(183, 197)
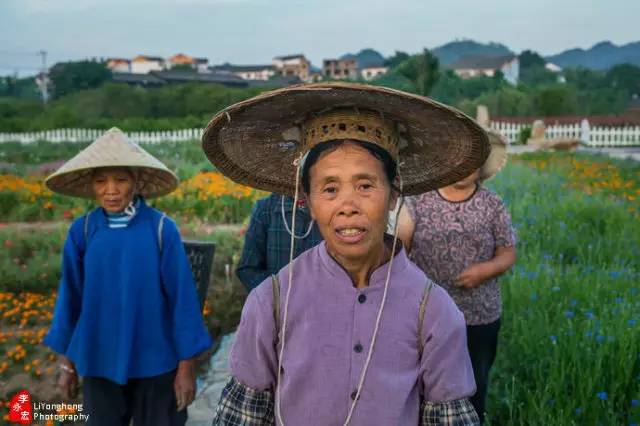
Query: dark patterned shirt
(450, 236)
(267, 241)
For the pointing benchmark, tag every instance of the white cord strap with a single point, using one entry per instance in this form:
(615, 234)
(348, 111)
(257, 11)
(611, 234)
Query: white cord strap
(286, 225)
(283, 336)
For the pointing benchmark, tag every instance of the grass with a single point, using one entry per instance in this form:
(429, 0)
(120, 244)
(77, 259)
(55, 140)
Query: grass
(569, 351)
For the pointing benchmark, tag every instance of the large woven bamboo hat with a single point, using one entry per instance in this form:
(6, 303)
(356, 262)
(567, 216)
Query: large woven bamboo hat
(497, 157)
(113, 149)
(256, 142)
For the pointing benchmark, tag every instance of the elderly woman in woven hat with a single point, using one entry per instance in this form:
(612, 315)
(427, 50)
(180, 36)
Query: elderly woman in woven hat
(461, 237)
(350, 332)
(127, 317)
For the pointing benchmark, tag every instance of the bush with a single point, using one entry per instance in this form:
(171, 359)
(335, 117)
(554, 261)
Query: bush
(524, 135)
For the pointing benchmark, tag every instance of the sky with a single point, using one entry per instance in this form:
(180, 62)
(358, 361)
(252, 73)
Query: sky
(254, 31)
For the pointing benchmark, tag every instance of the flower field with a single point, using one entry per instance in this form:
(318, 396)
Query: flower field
(569, 351)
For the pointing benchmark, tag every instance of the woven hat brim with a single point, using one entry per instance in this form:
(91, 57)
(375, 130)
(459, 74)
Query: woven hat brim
(152, 182)
(247, 141)
(497, 157)
(112, 149)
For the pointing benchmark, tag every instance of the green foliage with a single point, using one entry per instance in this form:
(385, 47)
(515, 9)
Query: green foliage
(624, 77)
(556, 99)
(32, 258)
(530, 59)
(396, 59)
(524, 135)
(33, 253)
(130, 108)
(395, 81)
(23, 88)
(422, 70)
(568, 350)
(91, 101)
(69, 77)
(537, 76)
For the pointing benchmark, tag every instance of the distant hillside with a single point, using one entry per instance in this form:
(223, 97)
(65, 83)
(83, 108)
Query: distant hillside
(601, 56)
(366, 58)
(451, 52)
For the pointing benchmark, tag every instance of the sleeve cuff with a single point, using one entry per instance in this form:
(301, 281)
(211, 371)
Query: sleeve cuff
(241, 405)
(459, 412)
(190, 347)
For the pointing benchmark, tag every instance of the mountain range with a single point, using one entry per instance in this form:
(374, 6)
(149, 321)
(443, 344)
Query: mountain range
(601, 56)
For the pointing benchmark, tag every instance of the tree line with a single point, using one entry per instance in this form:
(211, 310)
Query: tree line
(83, 94)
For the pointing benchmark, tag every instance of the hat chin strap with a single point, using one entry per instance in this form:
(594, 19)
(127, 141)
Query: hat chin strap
(286, 225)
(286, 306)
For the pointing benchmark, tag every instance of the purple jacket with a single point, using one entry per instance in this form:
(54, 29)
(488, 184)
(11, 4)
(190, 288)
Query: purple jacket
(329, 328)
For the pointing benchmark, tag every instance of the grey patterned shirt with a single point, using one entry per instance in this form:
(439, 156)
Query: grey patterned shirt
(449, 236)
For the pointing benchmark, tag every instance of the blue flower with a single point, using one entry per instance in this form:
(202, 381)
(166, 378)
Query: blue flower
(573, 302)
(631, 322)
(600, 338)
(589, 314)
(589, 333)
(614, 274)
(579, 410)
(619, 299)
(634, 402)
(554, 339)
(569, 314)
(602, 396)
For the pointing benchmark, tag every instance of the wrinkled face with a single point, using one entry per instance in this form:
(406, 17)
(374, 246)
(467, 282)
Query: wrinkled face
(113, 188)
(469, 181)
(350, 198)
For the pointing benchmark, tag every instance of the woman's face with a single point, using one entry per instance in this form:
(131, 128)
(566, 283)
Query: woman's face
(350, 198)
(113, 188)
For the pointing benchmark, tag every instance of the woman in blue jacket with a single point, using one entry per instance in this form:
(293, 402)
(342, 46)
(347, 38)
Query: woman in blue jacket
(127, 318)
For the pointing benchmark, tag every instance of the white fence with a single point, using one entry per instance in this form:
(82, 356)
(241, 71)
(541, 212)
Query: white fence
(596, 136)
(591, 136)
(89, 135)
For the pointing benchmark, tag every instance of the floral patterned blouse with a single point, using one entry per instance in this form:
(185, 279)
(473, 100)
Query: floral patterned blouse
(451, 235)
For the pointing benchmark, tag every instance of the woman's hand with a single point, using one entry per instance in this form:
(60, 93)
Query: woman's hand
(476, 274)
(184, 384)
(473, 276)
(68, 378)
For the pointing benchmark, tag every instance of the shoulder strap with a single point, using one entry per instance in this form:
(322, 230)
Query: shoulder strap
(275, 287)
(86, 227)
(160, 226)
(423, 307)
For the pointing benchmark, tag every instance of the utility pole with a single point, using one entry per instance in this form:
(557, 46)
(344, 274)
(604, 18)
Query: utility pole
(43, 79)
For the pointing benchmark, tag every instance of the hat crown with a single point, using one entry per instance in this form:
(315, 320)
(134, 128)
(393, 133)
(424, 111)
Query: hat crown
(351, 124)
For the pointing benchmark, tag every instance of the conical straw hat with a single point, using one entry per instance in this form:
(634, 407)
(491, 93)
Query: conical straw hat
(497, 157)
(113, 149)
